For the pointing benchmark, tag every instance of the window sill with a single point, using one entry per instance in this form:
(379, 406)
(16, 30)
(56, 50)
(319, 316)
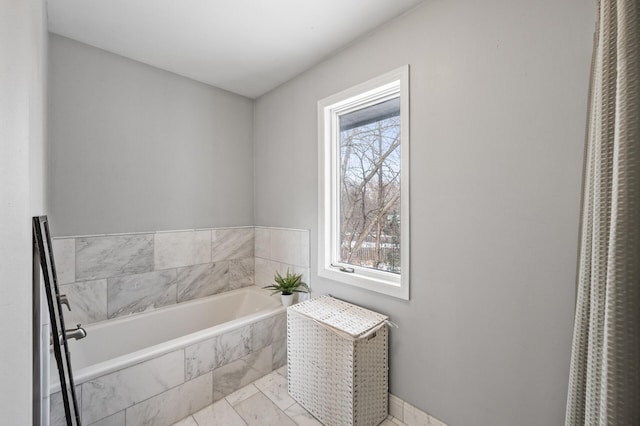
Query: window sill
(394, 288)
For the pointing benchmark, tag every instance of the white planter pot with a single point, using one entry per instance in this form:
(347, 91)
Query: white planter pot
(287, 299)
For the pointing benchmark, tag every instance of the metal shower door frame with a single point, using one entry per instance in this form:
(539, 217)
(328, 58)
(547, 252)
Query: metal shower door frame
(42, 242)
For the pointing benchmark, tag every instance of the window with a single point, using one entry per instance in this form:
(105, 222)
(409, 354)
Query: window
(364, 185)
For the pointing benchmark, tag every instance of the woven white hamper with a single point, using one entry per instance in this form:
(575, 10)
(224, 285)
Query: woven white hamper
(337, 357)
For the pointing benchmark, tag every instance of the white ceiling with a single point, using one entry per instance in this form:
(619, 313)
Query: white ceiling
(244, 46)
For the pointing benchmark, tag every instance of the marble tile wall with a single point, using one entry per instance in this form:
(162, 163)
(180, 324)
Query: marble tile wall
(281, 249)
(168, 388)
(108, 276)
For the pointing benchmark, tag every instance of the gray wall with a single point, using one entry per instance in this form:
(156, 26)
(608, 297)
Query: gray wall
(135, 148)
(498, 108)
(23, 49)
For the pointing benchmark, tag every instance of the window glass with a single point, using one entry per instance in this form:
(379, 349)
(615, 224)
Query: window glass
(370, 187)
(363, 185)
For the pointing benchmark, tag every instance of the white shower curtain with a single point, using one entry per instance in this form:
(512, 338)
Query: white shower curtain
(604, 383)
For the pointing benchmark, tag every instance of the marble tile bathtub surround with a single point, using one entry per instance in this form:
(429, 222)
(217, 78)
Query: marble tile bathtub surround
(149, 270)
(88, 302)
(231, 346)
(272, 329)
(237, 374)
(202, 280)
(64, 254)
(281, 249)
(165, 389)
(263, 242)
(117, 419)
(290, 246)
(138, 293)
(173, 405)
(220, 350)
(108, 394)
(241, 273)
(265, 270)
(167, 407)
(56, 407)
(283, 245)
(175, 249)
(200, 358)
(182, 264)
(279, 348)
(111, 256)
(233, 243)
(234, 345)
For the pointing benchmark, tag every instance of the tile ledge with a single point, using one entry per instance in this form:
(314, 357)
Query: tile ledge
(282, 228)
(117, 234)
(168, 231)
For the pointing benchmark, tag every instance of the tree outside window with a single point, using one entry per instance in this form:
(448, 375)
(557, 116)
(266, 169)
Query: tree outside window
(370, 187)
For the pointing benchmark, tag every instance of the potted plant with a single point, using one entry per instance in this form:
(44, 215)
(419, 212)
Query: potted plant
(287, 286)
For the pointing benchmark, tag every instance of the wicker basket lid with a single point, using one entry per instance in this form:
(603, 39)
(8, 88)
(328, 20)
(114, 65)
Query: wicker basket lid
(339, 315)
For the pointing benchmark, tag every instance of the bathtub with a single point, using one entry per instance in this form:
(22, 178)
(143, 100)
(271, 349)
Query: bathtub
(160, 366)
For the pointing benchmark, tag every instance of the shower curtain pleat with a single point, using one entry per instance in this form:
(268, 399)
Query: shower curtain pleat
(604, 382)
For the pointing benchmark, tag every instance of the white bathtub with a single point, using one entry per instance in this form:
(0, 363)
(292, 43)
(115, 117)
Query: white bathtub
(118, 343)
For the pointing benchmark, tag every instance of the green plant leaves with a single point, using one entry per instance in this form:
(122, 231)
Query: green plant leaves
(290, 283)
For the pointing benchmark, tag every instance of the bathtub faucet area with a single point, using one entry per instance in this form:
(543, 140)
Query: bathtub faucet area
(76, 333)
(73, 333)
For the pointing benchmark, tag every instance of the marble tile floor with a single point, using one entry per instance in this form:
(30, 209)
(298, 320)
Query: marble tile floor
(264, 402)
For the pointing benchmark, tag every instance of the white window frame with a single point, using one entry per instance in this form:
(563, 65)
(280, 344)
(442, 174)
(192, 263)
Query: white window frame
(376, 90)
